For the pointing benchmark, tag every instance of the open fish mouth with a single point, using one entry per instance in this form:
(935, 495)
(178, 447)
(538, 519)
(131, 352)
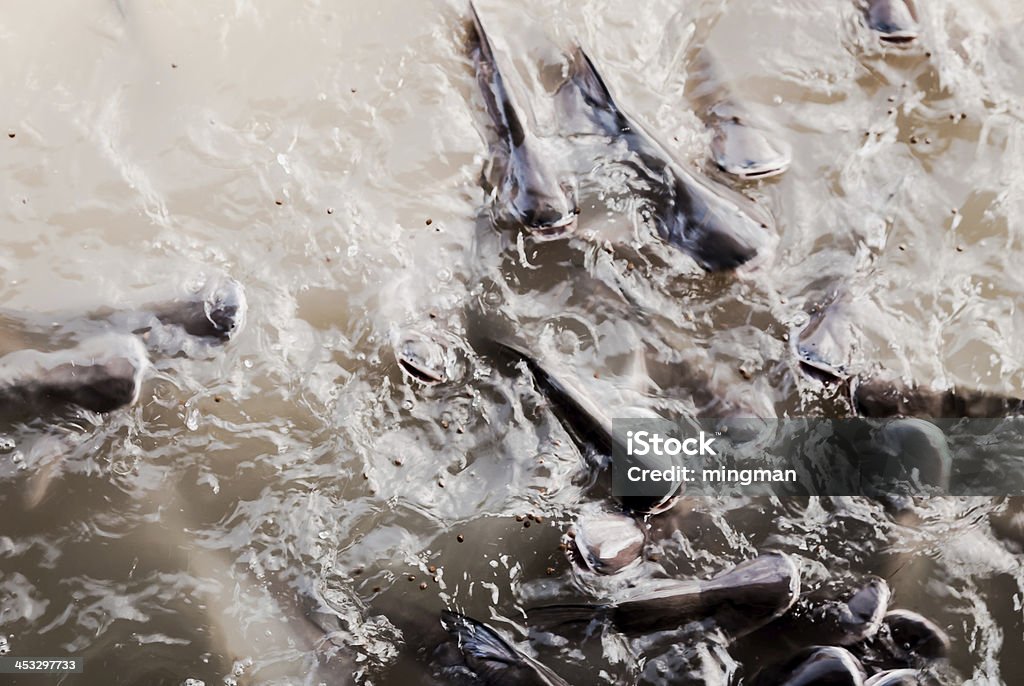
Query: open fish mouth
(424, 375)
(759, 170)
(555, 230)
(898, 36)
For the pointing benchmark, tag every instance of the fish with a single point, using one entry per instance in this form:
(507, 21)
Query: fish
(587, 422)
(737, 601)
(718, 227)
(530, 193)
(216, 311)
(816, 666)
(741, 144)
(824, 347)
(899, 677)
(853, 617)
(882, 395)
(895, 21)
(607, 543)
(475, 655)
(915, 449)
(916, 635)
(187, 323)
(422, 358)
(100, 374)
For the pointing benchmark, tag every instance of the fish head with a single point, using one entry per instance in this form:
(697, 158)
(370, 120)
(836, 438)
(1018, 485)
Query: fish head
(747, 151)
(224, 307)
(825, 346)
(894, 20)
(538, 200)
(917, 634)
(863, 612)
(607, 543)
(422, 358)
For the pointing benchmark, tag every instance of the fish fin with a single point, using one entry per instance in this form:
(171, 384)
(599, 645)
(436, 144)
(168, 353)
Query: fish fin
(589, 81)
(478, 640)
(498, 103)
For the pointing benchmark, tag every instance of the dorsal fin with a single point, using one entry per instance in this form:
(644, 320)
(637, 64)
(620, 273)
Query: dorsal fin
(496, 96)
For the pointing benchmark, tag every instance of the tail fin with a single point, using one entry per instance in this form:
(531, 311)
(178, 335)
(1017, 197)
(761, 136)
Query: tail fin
(478, 640)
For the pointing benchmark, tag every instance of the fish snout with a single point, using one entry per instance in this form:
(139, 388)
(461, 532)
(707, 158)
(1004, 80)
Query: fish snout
(548, 222)
(893, 20)
(225, 306)
(422, 358)
(747, 151)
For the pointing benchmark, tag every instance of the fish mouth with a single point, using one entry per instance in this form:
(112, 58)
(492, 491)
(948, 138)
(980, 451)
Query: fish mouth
(555, 230)
(424, 375)
(898, 36)
(760, 170)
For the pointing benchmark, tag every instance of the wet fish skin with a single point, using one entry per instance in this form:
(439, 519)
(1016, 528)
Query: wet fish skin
(894, 20)
(843, 621)
(478, 656)
(743, 148)
(917, 635)
(217, 311)
(720, 228)
(588, 424)
(882, 396)
(607, 543)
(736, 601)
(824, 346)
(100, 374)
(915, 446)
(816, 666)
(899, 677)
(531, 193)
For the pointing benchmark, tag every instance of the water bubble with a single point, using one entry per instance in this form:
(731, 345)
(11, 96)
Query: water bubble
(5, 647)
(7, 444)
(352, 251)
(193, 682)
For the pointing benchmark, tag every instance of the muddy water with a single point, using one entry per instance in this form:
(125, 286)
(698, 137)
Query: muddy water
(327, 155)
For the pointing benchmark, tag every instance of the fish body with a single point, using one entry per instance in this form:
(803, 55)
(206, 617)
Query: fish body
(737, 601)
(720, 228)
(530, 192)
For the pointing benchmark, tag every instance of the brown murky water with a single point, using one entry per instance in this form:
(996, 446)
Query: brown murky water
(327, 155)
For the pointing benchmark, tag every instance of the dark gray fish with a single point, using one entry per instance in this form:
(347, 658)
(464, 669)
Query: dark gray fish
(819, 666)
(422, 358)
(850, 619)
(477, 656)
(185, 323)
(916, 635)
(915, 449)
(884, 396)
(586, 421)
(824, 347)
(737, 601)
(100, 374)
(216, 311)
(720, 228)
(894, 20)
(900, 677)
(530, 192)
(607, 543)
